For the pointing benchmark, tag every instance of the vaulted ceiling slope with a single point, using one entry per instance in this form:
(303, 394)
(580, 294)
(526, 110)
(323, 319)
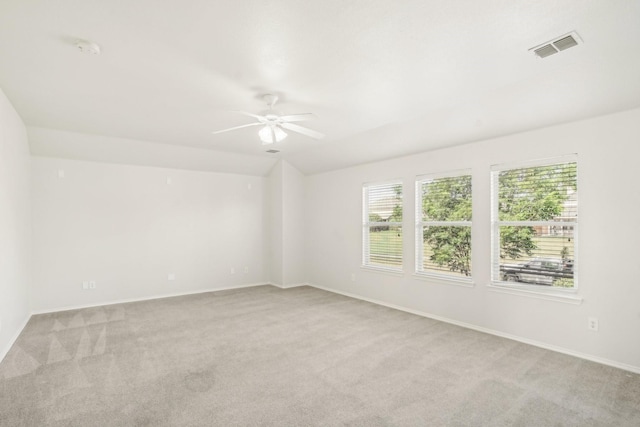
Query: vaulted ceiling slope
(385, 78)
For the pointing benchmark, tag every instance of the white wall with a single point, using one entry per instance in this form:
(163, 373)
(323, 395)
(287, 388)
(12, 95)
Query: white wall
(609, 271)
(287, 226)
(274, 250)
(127, 229)
(15, 225)
(294, 227)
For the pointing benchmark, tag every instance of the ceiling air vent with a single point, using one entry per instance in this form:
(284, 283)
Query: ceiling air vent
(545, 51)
(559, 44)
(273, 151)
(565, 43)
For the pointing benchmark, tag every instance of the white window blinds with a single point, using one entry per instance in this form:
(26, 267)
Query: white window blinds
(382, 225)
(535, 223)
(443, 225)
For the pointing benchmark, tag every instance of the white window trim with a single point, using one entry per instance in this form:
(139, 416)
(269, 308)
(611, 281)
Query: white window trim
(386, 270)
(365, 263)
(567, 295)
(545, 161)
(433, 276)
(444, 279)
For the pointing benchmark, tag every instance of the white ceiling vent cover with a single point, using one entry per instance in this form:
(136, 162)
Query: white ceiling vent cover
(557, 45)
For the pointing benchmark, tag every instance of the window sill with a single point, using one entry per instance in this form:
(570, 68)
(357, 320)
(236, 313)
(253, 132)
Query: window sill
(445, 280)
(567, 297)
(389, 271)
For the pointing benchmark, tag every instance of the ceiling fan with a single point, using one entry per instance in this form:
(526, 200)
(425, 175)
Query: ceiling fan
(273, 124)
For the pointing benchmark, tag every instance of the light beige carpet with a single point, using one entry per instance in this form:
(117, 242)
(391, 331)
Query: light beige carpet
(296, 357)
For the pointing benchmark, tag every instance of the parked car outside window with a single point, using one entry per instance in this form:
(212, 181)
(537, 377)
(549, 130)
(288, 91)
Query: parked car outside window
(539, 271)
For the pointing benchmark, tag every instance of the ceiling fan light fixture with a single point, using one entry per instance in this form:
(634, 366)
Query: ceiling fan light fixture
(280, 134)
(272, 123)
(268, 133)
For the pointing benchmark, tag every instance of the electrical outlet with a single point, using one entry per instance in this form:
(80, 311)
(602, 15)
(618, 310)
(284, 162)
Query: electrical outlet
(85, 285)
(593, 324)
(246, 270)
(92, 284)
(171, 276)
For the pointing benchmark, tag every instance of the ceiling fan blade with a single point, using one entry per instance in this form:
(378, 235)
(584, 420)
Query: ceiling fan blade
(237, 127)
(261, 119)
(303, 130)
(298, 117)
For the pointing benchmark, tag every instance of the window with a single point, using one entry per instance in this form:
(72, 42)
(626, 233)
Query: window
(443, 225)
(535, 224)
(382, 226)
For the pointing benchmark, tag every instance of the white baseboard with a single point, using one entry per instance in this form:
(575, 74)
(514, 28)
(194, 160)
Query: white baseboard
(12, 341)
(603, 361)
(123, 301)
(289, 286)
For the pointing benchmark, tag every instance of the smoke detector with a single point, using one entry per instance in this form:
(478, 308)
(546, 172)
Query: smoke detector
(88, 47)
(557, 45)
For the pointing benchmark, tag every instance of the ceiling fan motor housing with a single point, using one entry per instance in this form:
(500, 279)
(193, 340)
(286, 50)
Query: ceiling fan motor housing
(270, 99)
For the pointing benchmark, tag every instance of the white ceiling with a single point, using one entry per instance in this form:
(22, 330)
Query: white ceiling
(385, 78)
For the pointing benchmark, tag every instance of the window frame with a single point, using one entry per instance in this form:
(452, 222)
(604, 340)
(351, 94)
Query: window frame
(536, 290)
(419, 270)
(366, 224)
